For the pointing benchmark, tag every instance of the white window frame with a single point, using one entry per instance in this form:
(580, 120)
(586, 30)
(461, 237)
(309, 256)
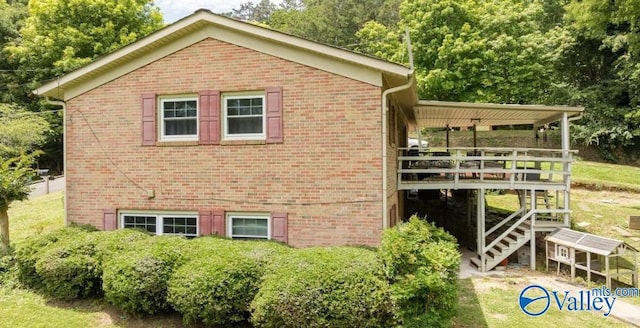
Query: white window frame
(232, 216)
(244, 136)
(160, 216)
(189, 137)
(563, 254)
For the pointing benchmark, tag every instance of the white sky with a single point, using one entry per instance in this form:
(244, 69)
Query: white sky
(172, 10)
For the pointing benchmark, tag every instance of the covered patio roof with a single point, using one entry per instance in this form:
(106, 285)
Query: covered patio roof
(438, 114)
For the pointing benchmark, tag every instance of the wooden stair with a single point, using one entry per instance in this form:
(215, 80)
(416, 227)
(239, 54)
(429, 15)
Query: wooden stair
(504, 248)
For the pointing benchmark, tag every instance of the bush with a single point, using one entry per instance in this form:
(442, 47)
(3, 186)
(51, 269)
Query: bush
(325, 287)
(218, 287)
(68, 268)
(28, 252)
(136, 281)
(108, 243)
(421, 262)
(8, 270)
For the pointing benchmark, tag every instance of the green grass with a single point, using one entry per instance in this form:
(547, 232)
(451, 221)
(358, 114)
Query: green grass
(606, 175)
(39, 215)
(493, 302)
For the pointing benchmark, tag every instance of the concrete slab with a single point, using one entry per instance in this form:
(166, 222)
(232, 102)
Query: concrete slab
(469, 271)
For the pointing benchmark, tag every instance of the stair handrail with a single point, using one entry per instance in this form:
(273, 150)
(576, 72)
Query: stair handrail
(508, 231)
(501, 223)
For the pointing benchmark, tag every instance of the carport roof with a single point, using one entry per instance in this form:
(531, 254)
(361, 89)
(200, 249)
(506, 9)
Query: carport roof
(437, 114)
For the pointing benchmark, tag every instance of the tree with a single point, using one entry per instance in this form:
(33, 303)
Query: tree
(21, 132)
(62, 35)
(333, 22)
(492, 51)
(15, 175)
(601, 70)
(249, 11)
(12, 16)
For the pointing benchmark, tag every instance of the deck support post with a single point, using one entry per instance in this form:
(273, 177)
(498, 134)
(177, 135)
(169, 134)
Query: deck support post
(480, 221)
(566, 165)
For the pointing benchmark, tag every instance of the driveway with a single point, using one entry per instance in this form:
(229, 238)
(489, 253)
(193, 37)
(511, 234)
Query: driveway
(40, 188)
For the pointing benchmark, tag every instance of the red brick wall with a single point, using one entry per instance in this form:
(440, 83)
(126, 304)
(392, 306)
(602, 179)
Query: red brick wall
(326, 175)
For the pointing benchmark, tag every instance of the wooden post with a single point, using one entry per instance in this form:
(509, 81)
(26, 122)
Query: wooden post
(588, 267)
(606, 264)
(546, 254)
(480, 221)
(447, 134)
(572, 260)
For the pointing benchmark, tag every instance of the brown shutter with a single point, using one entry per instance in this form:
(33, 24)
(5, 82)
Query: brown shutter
(149, 119)
(109, 219)
(204, 222)
(273, 97)
(279, 227)
(209, 125)
(218, 223)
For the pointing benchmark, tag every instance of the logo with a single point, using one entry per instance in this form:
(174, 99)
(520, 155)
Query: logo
(534, 300)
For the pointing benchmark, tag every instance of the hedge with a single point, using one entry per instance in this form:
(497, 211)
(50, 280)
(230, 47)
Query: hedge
(325, 287)
(218, 284)
(422, 262)
(136, 281)
(29, 251)
(68, 268)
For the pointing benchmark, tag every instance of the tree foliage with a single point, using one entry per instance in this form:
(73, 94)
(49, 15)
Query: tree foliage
(15, 175)
(58, 36)
(21, 131)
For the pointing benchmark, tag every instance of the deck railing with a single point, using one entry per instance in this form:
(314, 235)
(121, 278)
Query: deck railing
(490, 168)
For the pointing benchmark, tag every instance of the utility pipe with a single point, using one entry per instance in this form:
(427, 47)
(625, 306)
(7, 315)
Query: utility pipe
(385, 109)
(64, 145)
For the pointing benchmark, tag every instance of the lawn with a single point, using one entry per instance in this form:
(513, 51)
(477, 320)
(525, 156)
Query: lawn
(493, 302)
(603, 176)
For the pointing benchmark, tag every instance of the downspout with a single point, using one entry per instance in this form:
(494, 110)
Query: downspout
(385, 109)
(64, 146)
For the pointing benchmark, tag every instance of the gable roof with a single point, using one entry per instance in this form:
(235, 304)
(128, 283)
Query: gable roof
(204, 24)
(586, 241)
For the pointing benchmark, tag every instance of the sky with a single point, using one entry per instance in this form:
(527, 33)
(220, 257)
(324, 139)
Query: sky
(172, 10)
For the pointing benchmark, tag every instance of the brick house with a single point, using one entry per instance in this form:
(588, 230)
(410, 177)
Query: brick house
(216, 126)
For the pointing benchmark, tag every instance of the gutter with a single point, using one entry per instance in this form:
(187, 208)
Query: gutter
(64, 145)
(385, 109)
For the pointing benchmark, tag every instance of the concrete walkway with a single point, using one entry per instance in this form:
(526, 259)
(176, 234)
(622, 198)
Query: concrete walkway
(40, 188)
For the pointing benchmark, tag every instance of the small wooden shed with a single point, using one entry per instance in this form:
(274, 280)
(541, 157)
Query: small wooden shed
(606, 257)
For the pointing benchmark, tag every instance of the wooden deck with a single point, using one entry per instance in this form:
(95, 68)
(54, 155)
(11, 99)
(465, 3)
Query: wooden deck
(484, 168)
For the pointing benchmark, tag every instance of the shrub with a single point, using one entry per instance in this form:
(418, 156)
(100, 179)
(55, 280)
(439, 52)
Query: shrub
(136, 281)
(217, 286)
(68, 268)
(108, 243)
(325, 287)
(28, 252)
(8, 270)
(421, 262)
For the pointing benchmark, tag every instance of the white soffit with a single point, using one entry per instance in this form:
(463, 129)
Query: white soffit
(438, 114)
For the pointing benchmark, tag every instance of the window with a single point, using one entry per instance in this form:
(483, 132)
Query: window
(244, 117)
(563, 254)
(242, 226)
(179, 119)
(162, 224)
